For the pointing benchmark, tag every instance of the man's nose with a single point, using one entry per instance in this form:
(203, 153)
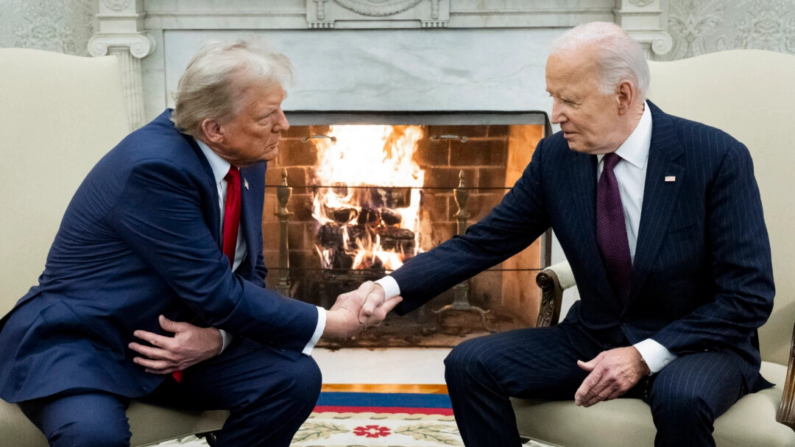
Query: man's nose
(557, 113)
(282, 124)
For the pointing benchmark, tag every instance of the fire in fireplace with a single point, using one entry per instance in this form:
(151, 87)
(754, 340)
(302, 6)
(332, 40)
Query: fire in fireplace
(367, 197)
(372, 190)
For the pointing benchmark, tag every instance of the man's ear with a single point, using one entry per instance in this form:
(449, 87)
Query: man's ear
(625, 95)
(213, 131)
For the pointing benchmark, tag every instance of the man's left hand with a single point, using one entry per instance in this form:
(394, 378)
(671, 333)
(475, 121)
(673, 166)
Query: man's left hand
(612, 373)
(189, 346)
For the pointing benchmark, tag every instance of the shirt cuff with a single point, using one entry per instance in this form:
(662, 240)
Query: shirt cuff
(226, 339)
(321, 326)
(391, 287)
(654, 354)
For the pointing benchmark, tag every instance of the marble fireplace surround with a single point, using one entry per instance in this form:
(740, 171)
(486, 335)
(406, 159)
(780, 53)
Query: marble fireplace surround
(380, 55)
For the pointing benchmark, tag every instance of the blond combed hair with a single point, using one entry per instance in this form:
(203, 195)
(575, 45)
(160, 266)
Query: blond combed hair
(216, 77)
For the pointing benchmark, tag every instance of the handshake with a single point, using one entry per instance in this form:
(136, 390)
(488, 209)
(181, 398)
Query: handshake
(355, 311)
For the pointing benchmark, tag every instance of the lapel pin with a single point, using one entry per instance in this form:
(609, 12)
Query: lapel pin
(245, 184)
(668, 179)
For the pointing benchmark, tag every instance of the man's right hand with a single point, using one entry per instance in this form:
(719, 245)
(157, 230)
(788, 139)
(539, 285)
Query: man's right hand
(343, 319)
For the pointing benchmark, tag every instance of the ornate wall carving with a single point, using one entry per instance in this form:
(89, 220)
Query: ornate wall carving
(63, 26)
(705, 26)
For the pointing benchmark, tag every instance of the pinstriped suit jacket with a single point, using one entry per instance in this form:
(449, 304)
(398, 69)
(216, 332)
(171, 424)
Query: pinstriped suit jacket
(702, 275)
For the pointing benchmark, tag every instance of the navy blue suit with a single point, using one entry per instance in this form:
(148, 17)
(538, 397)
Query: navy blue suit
(702, 282)
(141, 238)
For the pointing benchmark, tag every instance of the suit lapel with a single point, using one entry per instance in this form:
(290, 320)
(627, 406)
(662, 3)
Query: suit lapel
(247, 218)
(214, 218)
(659, 196)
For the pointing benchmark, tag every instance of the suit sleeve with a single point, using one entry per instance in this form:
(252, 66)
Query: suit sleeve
(159, 215)
(741, 265)
(515, 223)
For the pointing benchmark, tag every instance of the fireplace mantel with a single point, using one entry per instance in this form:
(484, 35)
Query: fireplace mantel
(437, 71)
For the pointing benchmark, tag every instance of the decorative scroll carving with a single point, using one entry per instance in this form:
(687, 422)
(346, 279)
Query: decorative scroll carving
(117, 5)
(641, 3)
(786, 410)
(378, 8)
(140, 45)
(662, 43)
(552, 297)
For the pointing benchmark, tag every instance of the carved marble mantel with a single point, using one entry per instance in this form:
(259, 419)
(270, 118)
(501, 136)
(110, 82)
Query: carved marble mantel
(121, 34)
(138, 31)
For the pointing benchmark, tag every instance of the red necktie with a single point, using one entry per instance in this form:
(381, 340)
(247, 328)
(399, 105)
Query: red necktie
(231, 213)
(231, 225)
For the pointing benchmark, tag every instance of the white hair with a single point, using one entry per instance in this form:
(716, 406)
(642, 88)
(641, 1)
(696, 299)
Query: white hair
(620, 57)
(217, 75)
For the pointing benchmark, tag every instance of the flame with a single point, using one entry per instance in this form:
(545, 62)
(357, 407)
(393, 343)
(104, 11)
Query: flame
(364, 170)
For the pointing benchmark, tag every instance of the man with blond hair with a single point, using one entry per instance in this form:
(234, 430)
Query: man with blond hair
(159, 251)
(661, 221)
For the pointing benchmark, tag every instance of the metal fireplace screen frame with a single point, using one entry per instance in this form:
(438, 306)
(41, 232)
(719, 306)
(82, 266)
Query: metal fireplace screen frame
(461, 193)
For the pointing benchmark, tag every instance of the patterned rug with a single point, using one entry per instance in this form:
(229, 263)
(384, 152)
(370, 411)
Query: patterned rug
(373, 420)
(379, 419)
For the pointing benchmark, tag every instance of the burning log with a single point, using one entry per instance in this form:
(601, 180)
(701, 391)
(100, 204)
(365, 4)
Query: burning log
(368, 217)
(342, 215)
(390, 217)
(396, 239)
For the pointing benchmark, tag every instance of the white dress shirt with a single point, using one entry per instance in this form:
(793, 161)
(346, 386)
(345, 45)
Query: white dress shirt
(631, 177)
(220, 168)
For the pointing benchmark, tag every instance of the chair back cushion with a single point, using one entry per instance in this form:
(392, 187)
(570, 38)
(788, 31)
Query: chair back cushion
(748, 94)
(58, 116)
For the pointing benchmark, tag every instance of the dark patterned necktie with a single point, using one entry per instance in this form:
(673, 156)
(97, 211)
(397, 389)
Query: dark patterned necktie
(611, 231)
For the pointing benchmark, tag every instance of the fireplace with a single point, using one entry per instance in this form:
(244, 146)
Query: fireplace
(371, 190)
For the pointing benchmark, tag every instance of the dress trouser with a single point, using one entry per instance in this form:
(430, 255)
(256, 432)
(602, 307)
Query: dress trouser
(269, 396)
(482, 373)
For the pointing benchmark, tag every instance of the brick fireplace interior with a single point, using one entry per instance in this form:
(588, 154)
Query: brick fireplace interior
(488, 158)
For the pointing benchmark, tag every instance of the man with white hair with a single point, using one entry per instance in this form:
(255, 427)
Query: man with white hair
(661, 221)
(166, 231)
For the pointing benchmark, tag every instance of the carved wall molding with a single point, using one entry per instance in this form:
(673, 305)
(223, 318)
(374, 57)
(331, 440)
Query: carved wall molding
(121, 34)
(644, 21)
(381, 8)
(378, 13)
(117, 5)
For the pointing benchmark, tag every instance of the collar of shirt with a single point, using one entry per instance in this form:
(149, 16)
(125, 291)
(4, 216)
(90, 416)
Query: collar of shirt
(219, 166)
(635, 149)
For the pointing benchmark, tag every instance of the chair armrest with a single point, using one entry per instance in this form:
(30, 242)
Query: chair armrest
(786, 411)
(553, 280)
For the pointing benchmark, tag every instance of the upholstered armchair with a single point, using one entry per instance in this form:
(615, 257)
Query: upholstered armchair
(750, 95)
(59, 115)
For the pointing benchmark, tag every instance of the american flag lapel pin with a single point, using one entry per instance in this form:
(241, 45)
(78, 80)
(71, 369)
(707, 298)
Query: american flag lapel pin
(245, 183)
(668, 179)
